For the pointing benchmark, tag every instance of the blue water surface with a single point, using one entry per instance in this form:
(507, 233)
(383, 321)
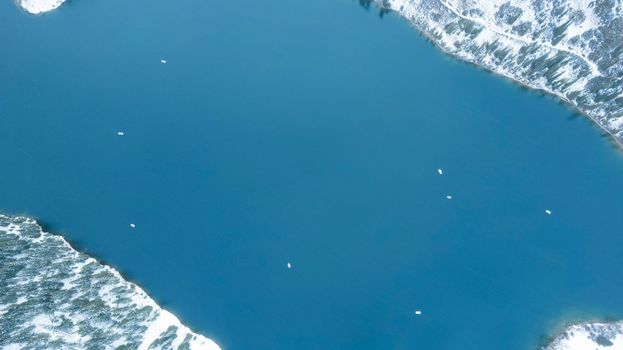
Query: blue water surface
(307, 132)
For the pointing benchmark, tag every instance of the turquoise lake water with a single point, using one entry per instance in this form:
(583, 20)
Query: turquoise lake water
(308, 132)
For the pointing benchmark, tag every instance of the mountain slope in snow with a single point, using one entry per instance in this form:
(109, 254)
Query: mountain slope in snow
(570, 48)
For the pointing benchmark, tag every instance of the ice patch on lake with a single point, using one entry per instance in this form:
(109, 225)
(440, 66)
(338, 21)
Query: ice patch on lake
(589, 336)
(55, 297)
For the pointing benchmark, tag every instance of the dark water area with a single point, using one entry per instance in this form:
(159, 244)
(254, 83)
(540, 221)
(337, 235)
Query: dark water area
(311, 133)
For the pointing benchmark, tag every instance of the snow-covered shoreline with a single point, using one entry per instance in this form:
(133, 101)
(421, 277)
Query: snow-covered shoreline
(55, 294)
(589, 336)
(39, 6)
(566, 48)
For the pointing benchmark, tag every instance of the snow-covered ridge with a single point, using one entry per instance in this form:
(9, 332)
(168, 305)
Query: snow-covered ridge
(589, 336)
(570, 48)
(39, 6)
(55, 297)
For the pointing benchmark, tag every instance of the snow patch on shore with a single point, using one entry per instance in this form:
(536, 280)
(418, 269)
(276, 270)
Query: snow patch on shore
(590, 336)
(40, 6)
